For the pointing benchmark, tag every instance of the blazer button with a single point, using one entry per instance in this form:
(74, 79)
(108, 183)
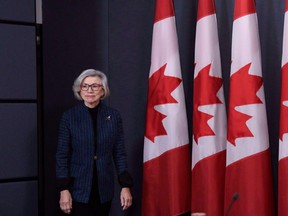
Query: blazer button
(95, 157)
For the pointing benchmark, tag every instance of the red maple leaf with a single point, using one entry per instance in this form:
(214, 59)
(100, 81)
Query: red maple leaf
(205, 93)
(243, 89)
(284, 97)
(160, 88)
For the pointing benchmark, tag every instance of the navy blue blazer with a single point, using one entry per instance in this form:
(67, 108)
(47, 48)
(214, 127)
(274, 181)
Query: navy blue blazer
(75, 155)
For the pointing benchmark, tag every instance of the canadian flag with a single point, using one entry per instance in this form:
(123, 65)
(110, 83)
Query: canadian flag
(167, 158)
(283, 137)
(248, 170)
(209, 117)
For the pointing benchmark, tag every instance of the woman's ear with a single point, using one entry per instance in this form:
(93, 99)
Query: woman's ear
(101, 98)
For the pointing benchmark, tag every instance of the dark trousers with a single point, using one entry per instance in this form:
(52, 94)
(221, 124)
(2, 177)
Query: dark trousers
(94, 207)
(90, 209)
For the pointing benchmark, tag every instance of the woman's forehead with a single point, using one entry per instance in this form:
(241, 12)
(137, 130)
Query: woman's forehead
(91, 79)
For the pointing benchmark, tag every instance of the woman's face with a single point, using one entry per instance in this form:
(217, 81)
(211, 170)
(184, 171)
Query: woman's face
(91, 90)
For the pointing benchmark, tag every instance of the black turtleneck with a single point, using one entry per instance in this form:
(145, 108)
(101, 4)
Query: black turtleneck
(94, 196)
(94, 112)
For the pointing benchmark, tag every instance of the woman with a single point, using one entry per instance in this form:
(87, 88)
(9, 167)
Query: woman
(90, 139)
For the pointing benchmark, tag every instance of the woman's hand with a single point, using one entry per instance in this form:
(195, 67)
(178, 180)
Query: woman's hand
(125, 198)
(65, 201)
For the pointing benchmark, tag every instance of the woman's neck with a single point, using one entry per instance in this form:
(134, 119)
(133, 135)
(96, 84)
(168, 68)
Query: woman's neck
(91, 105)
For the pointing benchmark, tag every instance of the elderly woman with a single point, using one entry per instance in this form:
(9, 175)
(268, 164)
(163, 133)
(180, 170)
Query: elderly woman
(90, 140)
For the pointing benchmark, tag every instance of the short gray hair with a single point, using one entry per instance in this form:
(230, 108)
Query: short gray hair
(90, 73)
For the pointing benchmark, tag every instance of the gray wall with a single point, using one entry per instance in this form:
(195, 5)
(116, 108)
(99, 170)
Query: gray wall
(19, 176)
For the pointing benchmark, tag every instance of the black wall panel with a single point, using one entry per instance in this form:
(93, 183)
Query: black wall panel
(17, 10)
(19, 199)
(18, 141)
(19, 109)
(18, 62)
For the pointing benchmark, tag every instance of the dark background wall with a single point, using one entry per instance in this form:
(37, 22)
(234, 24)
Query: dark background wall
(115, 36)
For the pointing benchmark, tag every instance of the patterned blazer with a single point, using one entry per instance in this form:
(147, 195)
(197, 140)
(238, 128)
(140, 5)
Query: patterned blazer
(75, 151)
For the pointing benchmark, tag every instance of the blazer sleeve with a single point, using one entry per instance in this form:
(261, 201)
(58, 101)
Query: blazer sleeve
(119, 154)
(120, 158)
(63, 154)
